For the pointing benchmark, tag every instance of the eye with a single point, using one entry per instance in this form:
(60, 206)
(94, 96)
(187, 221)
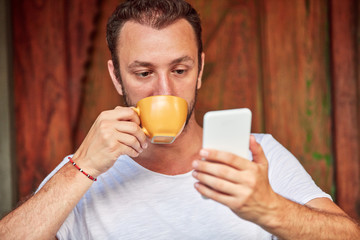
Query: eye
(144, 74)
(180, 71)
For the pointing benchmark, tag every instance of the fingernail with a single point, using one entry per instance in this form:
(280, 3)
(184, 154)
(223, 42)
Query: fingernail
(145, 145)
(204, 153)
(195, 164)
(194, 173)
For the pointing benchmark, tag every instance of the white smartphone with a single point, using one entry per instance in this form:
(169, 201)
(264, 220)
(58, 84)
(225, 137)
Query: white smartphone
(228, 130)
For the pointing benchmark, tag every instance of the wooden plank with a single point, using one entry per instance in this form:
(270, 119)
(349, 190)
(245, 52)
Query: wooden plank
(81, 17)
(42, 125)
(345, 65)
(296, 82)
(100, 93)
(232, 70)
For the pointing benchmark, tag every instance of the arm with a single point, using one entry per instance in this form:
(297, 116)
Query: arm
(114, 133)
(295, 221)
(244, 187)
(42, 215)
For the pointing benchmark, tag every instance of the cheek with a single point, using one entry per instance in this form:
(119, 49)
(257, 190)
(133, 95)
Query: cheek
(135, 90)
(139, 91)
(132, 86)
(186, 90)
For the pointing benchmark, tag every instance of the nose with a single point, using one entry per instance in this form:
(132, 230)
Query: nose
(163, 85)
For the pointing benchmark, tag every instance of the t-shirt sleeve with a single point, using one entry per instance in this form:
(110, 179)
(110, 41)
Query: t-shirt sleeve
(286, 175)
(73, 227)
(63, 162)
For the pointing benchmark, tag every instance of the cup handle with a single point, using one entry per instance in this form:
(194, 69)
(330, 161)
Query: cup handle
(137, 110)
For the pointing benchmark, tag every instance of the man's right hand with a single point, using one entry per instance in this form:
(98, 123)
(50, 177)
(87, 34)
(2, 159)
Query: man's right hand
(114, 133)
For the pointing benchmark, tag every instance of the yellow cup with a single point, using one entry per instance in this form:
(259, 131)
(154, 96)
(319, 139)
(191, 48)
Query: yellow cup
(162, 117)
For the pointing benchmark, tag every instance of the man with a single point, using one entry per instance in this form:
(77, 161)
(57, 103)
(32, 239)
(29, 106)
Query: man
(145, 191)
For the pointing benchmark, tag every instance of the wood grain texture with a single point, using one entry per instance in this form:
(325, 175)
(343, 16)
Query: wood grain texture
(232, 72)
(51, 45)
(345, 61)
(41, 97)
(272, 56)
(296, 82)
(99, 91)
(80, 18)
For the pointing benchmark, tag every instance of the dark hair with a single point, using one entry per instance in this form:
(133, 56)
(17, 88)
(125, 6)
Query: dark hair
(155, 13)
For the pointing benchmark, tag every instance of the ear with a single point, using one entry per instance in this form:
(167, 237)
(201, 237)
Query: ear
(115, 81)
(201, 71)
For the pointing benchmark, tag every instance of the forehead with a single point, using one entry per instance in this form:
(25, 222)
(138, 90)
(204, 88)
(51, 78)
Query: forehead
(137, 40)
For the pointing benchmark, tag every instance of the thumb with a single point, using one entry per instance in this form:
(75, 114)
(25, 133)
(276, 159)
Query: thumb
(257, 151)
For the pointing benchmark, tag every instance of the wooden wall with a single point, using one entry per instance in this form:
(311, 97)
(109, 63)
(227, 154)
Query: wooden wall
(345, 50)
(293, 63)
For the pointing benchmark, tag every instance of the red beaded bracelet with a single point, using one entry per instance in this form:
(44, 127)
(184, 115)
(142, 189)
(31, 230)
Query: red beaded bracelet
(88, 175)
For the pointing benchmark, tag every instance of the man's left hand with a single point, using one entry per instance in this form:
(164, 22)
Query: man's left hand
(238, 183)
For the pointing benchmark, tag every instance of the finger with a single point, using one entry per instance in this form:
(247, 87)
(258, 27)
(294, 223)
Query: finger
(215, 183)
(121, 114)
(118, 143)
(210, 193)
(109, 128)
(133, 129)
(126, 113)
(257, 151)
(129, 140)
(226, 158)
(219, 170)
(126, 150)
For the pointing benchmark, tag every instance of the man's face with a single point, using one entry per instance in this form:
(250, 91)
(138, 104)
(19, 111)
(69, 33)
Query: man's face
(158, 62)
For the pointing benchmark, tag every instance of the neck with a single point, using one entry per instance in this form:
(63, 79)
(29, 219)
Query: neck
(175, 158)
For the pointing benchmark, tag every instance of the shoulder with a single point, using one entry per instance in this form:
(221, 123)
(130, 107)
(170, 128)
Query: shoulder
(271, 147)
(265, 140)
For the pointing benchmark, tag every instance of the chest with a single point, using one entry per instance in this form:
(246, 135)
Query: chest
(157, 208)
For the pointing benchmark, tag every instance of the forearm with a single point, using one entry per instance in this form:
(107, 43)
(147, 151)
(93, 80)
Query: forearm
(294, 221)
(42, 215)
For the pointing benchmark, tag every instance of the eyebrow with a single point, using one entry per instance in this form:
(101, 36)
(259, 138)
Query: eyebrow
(182, 59)
(137, 63)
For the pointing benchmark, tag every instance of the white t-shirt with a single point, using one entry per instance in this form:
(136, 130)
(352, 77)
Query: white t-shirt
(132, 202)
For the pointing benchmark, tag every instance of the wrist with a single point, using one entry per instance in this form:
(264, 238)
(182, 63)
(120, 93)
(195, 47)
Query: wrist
(273, 217)
(81, 170)
(281, 220)
(86, 165)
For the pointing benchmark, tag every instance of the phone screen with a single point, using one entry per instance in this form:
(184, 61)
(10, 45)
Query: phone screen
(228, 130)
